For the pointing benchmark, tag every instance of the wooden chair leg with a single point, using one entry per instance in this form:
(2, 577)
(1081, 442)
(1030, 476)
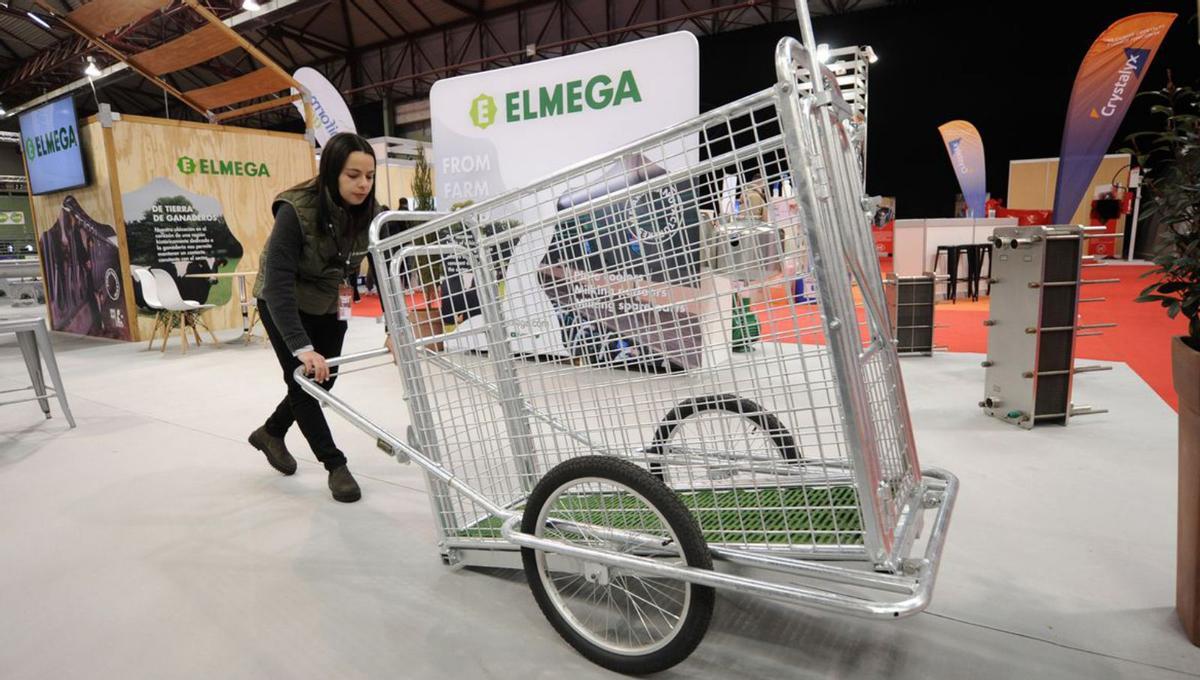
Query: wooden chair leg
(183, 341)
(158, 319)
(192, 319)
(204, 324)
(168, 329)
(253, 322)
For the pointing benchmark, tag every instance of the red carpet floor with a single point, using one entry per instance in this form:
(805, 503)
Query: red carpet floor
(1141, 339)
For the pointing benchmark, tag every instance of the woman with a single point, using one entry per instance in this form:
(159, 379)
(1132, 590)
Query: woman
(317, 244)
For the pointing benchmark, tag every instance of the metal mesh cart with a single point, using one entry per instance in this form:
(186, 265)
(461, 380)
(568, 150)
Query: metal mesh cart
(614, 395)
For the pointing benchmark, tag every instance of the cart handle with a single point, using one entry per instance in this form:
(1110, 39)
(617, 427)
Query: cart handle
(398, 216)
(400, 449)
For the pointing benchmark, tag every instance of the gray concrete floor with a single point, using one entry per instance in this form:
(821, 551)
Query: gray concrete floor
(153, 542)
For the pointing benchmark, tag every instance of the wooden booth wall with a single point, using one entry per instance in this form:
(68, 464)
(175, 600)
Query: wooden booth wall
(155, 156)
(1031, 184)
(99, 201)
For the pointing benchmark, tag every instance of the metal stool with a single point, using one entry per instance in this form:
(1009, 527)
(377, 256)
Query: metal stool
(33, 338)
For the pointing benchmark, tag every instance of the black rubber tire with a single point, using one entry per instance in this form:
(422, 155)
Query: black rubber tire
(691, 542)
(762, 418)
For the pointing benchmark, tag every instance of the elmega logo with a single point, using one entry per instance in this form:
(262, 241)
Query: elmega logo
(574, 96)
(50, 142)
(483, 111)
(207, 166)
(1127, 79)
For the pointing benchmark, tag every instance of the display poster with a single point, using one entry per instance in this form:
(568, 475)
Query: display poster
(332, 114)
(563, 281)
(965, 147)
(173, 229)
(83, 282)
(1107, 81)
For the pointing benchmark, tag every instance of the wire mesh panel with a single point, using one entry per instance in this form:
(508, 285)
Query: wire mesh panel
(613, 308)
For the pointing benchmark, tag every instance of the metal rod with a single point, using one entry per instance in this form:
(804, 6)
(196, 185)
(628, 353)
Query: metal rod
(22, 401)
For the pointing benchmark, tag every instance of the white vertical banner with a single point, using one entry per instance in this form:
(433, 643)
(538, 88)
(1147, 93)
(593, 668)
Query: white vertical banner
(333, 116)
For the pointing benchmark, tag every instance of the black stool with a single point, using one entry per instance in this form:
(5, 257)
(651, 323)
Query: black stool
(952, 255)
(976, 253)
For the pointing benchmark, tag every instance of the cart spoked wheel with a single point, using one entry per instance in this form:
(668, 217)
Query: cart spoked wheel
(719, 434)
(627, 621)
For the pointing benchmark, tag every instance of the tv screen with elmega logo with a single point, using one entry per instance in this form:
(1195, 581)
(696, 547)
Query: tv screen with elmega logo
(53, 155)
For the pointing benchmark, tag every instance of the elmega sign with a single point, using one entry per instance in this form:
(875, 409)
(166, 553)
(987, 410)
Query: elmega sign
(52, 145)
(597, 93)
(501, 129)
(208, 166)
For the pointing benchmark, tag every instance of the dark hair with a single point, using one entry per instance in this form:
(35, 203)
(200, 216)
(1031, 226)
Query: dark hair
(334, 155)
(403, 205)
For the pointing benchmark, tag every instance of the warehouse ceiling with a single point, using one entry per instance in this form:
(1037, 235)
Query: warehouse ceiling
(372, 50)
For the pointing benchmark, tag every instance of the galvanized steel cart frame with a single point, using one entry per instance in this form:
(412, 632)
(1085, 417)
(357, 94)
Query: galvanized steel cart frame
(836, 475)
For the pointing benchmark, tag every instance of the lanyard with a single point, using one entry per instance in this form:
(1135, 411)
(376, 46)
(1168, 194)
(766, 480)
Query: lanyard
(349, 252)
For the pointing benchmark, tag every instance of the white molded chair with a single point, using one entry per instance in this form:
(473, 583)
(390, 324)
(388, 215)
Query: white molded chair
(150, 294)
(189, 313)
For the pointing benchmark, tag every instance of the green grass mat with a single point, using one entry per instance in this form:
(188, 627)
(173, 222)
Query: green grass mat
(790, 516)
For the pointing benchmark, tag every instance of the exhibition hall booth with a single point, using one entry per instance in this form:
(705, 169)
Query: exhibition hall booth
(184, 198)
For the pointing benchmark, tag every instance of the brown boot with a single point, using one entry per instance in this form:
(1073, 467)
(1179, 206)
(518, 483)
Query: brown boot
(343, 486)
(274, 449)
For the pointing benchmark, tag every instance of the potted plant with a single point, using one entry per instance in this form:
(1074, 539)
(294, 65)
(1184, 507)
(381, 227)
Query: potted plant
(1173, 191)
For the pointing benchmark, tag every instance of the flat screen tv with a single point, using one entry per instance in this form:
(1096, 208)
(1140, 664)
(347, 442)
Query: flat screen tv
(52, 146)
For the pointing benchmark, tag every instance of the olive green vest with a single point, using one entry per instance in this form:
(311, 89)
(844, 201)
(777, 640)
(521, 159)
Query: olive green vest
(325, 261)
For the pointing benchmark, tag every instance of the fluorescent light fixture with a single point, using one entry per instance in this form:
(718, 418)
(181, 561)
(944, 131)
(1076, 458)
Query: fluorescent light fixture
(2, 111)
(250, 6)
(91, 70)
(38, 20)
(823, 53)
(871, 56)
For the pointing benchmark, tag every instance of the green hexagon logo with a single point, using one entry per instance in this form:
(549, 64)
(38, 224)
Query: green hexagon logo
(483, 111)
(30, 152)
(186, 165)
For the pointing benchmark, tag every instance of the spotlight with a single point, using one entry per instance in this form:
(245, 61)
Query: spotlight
(823, 53)
(91, 70)
(871, 56)
(3, 113)
(250, 6)
(38, 20)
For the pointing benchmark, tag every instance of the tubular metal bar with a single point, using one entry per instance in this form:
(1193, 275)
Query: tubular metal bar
(923, 570)
(322, 395)
(423, 426)
(830, 269)
(22, 401)
(341, 407)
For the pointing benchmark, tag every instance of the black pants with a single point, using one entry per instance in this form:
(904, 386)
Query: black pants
(327, 334)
